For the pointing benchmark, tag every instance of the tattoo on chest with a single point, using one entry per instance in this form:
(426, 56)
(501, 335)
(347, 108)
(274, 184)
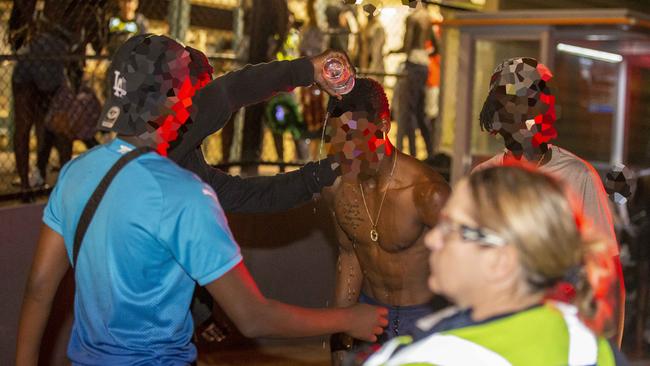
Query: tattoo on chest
(350, 214)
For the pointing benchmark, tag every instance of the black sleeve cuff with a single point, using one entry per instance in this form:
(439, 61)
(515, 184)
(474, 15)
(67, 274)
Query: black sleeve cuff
(302, 72)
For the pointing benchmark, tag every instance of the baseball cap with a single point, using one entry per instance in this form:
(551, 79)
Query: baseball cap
(151, 86)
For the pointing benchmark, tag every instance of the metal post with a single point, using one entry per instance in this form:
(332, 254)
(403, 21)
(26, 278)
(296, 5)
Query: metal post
(547, 48)
(618, 128)
(238, 24)
(462, 158)
(178, 15)
(238, 36)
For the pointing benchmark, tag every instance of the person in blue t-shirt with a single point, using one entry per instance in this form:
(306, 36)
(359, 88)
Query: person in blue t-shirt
(157, 231)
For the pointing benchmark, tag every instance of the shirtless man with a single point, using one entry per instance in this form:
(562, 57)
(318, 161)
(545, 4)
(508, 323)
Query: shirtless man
(383, 204)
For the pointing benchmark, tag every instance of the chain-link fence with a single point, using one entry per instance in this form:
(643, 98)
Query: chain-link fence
(55, 55)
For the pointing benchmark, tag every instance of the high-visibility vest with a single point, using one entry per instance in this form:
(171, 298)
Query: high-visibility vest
(551, 334)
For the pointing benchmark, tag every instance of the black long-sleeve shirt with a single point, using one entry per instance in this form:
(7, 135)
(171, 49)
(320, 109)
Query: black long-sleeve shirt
(214, 105)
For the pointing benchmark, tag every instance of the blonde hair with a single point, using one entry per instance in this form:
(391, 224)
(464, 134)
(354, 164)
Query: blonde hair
(533, 212)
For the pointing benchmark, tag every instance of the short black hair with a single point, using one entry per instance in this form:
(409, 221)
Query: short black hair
(367, 95)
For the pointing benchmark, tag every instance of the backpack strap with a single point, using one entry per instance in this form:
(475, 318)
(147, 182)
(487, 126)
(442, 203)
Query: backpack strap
(95, 199)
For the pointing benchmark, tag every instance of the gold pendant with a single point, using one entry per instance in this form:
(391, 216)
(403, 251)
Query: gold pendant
(374, 235)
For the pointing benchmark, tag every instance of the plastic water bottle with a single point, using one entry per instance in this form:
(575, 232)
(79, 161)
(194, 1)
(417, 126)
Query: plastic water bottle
(338, 75)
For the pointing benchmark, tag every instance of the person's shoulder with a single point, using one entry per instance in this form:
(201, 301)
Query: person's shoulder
(427, 183)
(418, 171)
(567, 156)
(176, 183)
(496, 160)
(82, 163)
(566, 160)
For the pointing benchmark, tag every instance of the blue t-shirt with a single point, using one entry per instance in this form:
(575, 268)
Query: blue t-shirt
(157, 230)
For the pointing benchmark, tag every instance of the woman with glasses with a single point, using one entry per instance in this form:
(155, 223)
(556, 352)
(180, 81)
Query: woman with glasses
(507, 240)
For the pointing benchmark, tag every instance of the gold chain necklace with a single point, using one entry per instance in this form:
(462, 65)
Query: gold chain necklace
(540, 159)
(374, 235)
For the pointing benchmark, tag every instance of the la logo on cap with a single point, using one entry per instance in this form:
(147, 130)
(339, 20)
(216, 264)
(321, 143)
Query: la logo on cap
(118, 85)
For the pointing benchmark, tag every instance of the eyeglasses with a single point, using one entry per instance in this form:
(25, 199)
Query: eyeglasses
(468, 233)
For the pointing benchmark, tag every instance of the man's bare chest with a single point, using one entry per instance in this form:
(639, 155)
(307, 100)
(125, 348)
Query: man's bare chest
(394, 225)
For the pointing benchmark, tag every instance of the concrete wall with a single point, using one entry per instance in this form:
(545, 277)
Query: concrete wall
(291, 256)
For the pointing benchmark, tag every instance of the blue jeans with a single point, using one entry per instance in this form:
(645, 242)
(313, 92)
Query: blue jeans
(401, 319)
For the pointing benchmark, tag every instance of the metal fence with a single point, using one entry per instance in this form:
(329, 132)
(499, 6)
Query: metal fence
(48, 87)
(44, 113)
(52, 78)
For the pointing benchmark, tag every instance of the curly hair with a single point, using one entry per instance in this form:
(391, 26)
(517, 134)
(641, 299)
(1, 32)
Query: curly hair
(367, 95)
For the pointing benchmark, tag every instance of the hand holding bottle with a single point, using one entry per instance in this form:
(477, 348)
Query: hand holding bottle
(333, 72)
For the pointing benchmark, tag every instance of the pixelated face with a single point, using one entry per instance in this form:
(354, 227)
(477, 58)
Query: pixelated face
(524, 109)
(177, 106)
(356, 144)
(620, 184)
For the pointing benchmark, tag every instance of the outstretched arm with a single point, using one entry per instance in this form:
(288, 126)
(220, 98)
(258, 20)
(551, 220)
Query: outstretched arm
(252, 84)
(200, 241)
(262, 194)
(48, 268)
(257, 316)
